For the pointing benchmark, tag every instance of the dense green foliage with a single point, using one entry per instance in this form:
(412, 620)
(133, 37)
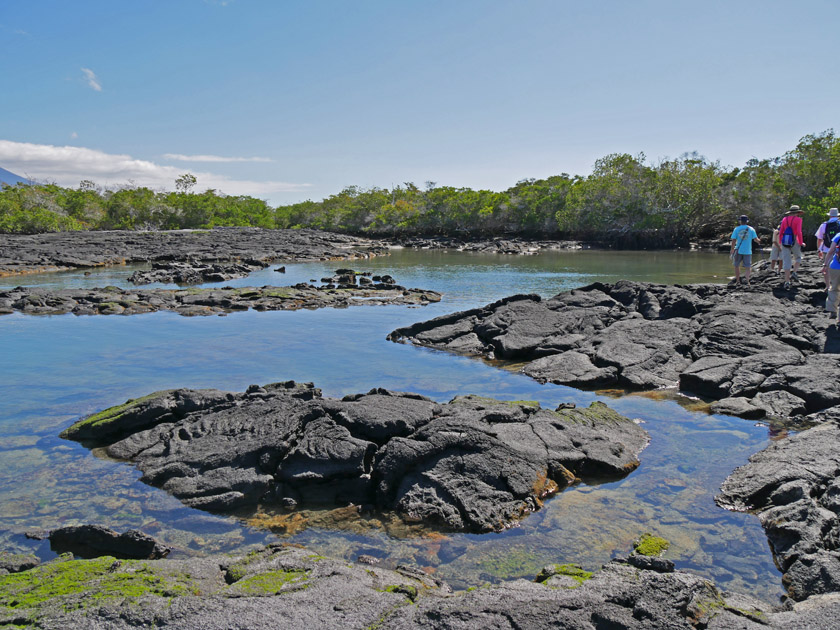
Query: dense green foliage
(668, 203)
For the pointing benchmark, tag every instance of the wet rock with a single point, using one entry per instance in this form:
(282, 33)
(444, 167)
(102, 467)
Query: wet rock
(91, 541)
(305, 589)
(17, 562)
(194, 272)
(474, 464)
(776, 351)
(208, 301)
(794, 487)
(738, 406)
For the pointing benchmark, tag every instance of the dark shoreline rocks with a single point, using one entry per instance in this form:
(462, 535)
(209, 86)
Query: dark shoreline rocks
(92, 541)
(794, 487)
(209, 301)
(195, 272)
(302, 589)
(36, 253)
(473, 464)
(513, 245)
(762, 351)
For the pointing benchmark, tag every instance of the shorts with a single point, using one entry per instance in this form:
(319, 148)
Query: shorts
(739, 259)
(775, 253)
(789, 254)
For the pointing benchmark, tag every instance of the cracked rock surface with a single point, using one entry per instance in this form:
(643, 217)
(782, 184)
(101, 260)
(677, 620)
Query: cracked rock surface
(473, 464)
(112, 300)
(295, 588)
(761, 351)
(30, 253)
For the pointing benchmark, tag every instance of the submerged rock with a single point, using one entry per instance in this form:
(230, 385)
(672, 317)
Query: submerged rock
(92, 541)
(473, 464)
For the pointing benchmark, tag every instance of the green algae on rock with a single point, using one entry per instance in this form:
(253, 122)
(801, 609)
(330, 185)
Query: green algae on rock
(571, 570)
(650, 545)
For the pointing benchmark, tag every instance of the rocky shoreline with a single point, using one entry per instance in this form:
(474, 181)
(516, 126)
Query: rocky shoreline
(758, 352)
(299, 588)
(35, 253)
(472, 464)
(112, 300)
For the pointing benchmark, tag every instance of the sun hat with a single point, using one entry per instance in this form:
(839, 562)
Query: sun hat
(744, 218)
(793, 210)
(833, 212)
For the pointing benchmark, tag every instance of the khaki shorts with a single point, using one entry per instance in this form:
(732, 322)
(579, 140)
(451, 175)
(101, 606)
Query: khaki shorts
(776, 252)
(742, 259)
(789, 254)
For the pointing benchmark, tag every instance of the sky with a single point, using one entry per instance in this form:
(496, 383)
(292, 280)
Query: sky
(293, 100)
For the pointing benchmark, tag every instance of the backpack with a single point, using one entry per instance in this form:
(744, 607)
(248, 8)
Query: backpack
(832, 229)
(787, 238)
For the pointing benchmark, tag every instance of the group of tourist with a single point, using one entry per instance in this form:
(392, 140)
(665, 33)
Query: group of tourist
(786, 251)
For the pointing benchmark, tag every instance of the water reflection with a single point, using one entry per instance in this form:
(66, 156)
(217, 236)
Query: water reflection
(57, 369)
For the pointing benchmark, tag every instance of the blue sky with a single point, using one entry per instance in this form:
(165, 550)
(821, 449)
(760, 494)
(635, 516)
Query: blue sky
(288, 100)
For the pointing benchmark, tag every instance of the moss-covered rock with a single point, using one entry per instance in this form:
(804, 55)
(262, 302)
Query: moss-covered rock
(650, 545)
(573, 571)
(79, 584)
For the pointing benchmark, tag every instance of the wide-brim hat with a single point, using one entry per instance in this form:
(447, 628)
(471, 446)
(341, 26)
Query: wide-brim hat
(793, 210)
(833, 212)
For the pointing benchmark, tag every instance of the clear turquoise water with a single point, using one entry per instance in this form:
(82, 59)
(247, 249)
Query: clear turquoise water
(58, 369)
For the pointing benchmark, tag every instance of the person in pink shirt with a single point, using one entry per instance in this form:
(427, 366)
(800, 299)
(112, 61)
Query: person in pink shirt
(791, 252)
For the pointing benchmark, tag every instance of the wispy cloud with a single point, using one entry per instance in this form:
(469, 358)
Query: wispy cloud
(67, 166)
(74, 135)
(212, 158)
(92, 79)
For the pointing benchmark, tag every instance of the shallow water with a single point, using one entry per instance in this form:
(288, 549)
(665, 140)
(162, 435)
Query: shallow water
(57, 369)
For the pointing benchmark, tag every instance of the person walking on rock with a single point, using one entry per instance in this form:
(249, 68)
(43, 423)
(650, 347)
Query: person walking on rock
(741, 248)
(825, 234)
(831, 265)
(776, 252)
(792, 243)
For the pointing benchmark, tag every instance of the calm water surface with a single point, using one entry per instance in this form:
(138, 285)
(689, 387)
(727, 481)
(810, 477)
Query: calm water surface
(58, 369)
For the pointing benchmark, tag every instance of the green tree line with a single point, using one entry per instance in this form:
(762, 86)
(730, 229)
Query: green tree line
(625, 200)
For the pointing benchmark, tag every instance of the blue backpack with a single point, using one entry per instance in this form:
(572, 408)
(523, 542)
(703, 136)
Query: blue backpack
(787, 239)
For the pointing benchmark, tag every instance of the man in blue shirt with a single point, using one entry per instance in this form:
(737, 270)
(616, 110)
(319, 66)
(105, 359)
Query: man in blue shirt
(741, 250)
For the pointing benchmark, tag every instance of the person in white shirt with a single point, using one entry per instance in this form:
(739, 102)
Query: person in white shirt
(826, 232)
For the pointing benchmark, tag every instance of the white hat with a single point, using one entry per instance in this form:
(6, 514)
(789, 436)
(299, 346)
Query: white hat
(833, 212)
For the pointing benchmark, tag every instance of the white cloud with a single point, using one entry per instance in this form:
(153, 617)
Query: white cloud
(92, 79)
(67, 166)
(212, 158)
(74, 135)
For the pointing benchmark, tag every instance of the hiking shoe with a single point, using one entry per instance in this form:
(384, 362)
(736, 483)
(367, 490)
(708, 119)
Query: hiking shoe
(787, 286)
(747, 284)
(794, 276)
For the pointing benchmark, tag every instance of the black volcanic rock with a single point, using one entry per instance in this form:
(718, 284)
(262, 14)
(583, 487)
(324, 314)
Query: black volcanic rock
(30, 253)
(92, 541)
(195, 272)
(209, 301)
(773, 350)
(297, 588)
(794, 487)
(472, 464)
